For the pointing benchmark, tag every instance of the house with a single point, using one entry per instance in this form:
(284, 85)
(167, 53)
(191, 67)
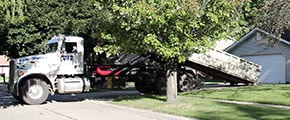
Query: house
(274, 57)
(4, 66)
(4, 60)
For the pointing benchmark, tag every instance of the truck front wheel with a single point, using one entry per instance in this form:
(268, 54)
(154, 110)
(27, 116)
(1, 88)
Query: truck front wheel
(34, 91)
(17, 98)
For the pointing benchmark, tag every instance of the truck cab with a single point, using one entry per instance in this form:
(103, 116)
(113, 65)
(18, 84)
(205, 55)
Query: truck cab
(60, 69)
(70, 54)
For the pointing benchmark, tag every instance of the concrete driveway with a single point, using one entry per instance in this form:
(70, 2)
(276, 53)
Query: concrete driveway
(86, 106)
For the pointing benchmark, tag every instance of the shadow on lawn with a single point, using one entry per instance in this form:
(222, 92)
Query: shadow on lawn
(234, 90)
(141, 96)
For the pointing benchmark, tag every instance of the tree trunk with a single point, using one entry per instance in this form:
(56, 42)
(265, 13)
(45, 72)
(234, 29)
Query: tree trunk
(171, 76)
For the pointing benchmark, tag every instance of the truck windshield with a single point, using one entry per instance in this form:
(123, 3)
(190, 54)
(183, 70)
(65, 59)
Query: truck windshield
(52, 47)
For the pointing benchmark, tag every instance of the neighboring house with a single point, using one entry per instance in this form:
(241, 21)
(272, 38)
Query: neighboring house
(4, 65)
(275, 60)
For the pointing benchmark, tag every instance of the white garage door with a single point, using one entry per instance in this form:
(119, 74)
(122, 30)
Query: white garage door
(273, 67)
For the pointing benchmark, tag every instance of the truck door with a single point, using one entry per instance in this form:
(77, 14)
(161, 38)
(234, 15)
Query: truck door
(70, 59)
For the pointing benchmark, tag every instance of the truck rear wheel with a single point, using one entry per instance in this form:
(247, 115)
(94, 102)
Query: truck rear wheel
(187, 81)
(144, 86)
(161, 85)
(34, 91)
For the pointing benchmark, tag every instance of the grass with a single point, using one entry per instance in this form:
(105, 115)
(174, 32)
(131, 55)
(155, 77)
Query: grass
(200, 104)
(278, 94)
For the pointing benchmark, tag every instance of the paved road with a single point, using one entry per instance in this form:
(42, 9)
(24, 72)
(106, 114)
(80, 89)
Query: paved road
(87, 106)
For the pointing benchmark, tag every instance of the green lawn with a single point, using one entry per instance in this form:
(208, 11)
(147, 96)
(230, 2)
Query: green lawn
(200, 104)
(271, 94)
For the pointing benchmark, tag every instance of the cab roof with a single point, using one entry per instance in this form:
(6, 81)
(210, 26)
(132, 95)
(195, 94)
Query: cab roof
(56, 39)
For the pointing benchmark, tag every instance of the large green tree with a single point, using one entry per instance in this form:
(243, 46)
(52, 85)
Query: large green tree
(270, 15)
(11, 11)
(170, 28)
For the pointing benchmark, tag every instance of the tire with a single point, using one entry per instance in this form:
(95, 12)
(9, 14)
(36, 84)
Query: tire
(34, 91)
(233, 83)
(17, 98)
(188, 81)
(161, 85)
(144, 87)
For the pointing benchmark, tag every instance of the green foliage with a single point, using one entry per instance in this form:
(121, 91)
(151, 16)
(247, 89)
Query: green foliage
(12, 10)
(27, 34)
(170, 28)
(167, 27)
(270, 15)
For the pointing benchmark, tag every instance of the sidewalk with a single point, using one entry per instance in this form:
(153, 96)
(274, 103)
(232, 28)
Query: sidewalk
(86, 106)
(252, 103)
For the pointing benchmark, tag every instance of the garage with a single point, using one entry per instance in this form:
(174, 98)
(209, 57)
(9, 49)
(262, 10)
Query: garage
(273, 58)
(273, 67)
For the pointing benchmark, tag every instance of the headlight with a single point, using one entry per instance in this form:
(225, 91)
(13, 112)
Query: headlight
(20, 73)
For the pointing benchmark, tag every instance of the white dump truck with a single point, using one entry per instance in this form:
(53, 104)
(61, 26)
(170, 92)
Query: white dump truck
(69, 65)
